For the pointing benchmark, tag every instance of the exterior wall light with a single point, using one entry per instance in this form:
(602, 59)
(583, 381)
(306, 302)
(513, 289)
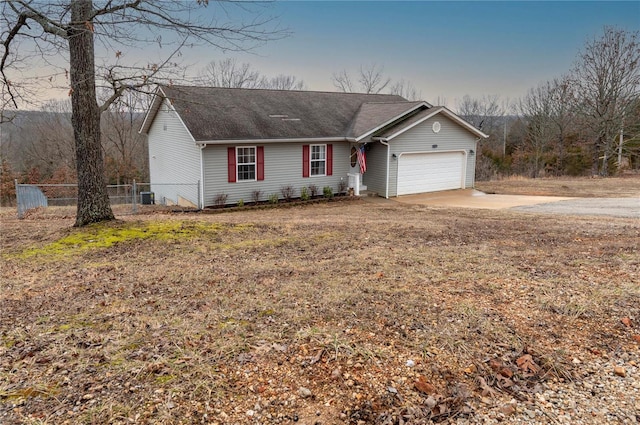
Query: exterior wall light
(394, 156)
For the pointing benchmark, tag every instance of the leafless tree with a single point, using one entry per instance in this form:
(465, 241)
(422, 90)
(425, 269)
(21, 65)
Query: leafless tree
(342, 81)
(283, 82)
(371, 80)
(125, 148)
(405, 89)
(562, 100)
(487, 113)
(50, 146)
(481, 112)
(56, 27)
(537, 109)
(231, 74)
(607, 83)
(41, 140)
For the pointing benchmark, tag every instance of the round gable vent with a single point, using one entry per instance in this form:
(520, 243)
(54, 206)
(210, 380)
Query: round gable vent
(436, 127)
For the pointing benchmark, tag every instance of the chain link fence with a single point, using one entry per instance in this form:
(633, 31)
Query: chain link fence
(128, 197)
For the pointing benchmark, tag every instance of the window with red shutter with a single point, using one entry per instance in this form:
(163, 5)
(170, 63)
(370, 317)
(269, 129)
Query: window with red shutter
(318, 160)
(245, 163)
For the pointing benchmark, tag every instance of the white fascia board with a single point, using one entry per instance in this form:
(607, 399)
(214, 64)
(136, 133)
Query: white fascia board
(153, 110)
(449, 114)
(266, 141)
(368, 133)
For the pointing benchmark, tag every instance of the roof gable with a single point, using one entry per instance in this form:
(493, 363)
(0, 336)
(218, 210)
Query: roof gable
(404, 125)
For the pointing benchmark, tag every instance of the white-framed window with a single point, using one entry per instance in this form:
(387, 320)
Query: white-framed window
(318, 160)
(246, 163)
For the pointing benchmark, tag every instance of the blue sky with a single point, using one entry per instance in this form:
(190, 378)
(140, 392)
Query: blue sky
(446, 49)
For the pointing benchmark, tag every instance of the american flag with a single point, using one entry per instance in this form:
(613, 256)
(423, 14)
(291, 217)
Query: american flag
(362, 160)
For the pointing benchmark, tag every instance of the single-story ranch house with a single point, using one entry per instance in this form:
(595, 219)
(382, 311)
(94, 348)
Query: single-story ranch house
(208, 142)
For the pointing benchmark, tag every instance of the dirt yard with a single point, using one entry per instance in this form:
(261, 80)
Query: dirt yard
(339, 313)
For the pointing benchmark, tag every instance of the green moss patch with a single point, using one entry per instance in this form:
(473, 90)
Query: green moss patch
(105, 235)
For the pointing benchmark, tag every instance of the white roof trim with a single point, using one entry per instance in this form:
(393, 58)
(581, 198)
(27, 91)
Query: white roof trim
(264, 141)
(449, 114)
(155, 109)
(419, 105)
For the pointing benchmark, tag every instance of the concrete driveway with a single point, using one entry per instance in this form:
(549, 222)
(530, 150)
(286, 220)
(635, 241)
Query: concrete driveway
(469, 198)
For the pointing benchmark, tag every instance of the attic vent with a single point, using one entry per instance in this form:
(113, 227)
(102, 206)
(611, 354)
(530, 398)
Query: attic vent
(278, 116)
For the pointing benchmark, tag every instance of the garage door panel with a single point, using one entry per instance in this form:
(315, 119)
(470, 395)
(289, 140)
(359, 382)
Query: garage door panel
(429, 172)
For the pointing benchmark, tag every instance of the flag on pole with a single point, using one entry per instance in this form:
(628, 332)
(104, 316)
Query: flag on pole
(362, 160)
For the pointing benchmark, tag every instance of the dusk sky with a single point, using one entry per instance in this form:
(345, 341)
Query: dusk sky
(445, 49)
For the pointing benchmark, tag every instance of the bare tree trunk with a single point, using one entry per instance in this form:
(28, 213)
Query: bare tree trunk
(93, 199)
(595, 164)
(561, 154)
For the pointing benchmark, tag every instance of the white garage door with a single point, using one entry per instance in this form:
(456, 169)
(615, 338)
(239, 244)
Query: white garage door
(430, 172)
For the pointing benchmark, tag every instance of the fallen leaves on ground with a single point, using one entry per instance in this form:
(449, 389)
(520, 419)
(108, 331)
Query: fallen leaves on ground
(279, 316)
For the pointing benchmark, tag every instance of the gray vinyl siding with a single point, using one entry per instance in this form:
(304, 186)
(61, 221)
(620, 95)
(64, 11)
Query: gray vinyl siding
(375, 176)
(421, 138)
(282, 167)
(174, 159)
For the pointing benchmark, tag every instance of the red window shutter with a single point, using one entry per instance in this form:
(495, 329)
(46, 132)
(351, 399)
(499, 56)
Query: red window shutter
(231, 162)
(305, 160)
(260, 162)
(329, 159)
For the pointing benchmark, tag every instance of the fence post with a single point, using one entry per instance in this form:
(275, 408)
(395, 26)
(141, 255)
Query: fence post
(17, 198)
(134, 205)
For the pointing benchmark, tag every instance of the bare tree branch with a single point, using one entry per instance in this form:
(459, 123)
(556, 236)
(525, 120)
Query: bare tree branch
(342, 81)
(372, 79)
(77, 26)
(231, 74)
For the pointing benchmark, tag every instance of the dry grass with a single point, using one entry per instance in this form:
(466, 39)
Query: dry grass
(240, 311)
(610, 187)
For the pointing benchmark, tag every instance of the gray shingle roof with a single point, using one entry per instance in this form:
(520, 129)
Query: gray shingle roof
(213, 113)
(372, 115)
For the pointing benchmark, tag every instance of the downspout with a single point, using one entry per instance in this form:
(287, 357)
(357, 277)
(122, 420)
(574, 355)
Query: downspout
(386, 180)
(201, 185)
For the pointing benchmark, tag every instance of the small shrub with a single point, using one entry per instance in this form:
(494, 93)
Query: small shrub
(313, 190)
(241, 203)
(304, 193)
(273, 199)
(327, 192)
(220, 200)
(342, 186)
(256, 195)
(287, 192)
